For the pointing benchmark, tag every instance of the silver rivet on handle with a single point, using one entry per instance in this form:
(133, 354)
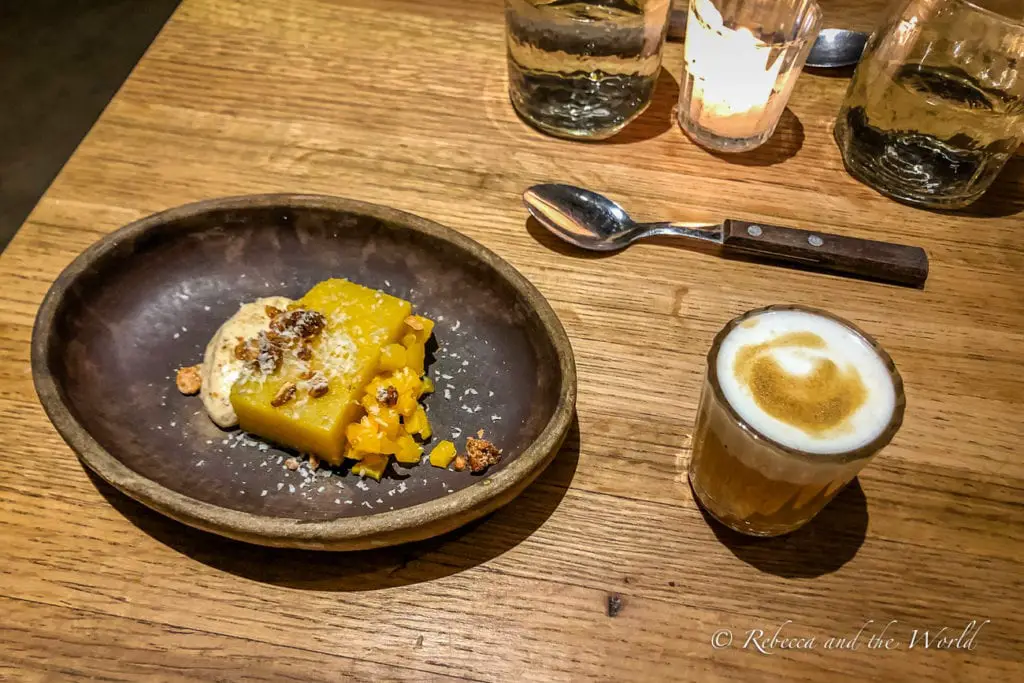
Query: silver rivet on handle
(754, 230)
(815, 241)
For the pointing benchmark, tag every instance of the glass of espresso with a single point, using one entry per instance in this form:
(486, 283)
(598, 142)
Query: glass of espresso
(583, 68)
(795, 403)
(936, 106)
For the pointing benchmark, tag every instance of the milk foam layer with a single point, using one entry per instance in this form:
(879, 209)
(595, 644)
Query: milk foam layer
(795, 346)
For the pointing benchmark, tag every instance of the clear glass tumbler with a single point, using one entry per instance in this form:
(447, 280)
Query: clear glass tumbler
(755, 483)
(936, 106)
(583, 68)
(741, 61)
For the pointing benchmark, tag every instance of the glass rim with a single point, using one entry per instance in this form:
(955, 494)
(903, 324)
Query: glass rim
(842, 457)
(808, 36)
(992, 14)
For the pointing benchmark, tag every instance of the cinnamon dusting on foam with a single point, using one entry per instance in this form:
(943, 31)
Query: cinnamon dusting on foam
(819, 402)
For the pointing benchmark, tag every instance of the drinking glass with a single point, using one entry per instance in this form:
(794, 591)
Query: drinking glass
(741, 61)
(936, 106)
(756, 485)
(584, 68)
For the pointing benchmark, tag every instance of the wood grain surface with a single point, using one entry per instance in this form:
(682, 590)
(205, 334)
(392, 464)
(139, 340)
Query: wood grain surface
(403, 103)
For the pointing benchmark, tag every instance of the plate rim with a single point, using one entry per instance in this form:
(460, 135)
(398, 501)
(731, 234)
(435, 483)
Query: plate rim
(416, 522)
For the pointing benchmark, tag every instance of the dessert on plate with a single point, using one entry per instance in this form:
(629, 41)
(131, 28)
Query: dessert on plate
(337, 374)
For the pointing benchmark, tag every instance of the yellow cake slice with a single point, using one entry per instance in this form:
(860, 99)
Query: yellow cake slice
(307, 377)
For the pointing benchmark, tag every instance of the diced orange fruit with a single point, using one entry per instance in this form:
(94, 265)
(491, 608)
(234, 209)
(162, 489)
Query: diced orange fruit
(392, 357)
(408, 451)
(371, 465)
(443, 454)
(418, 424)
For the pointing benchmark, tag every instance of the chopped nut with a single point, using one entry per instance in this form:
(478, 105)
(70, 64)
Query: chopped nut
(302, 322)
(482, 454)
(479, 433)
(247, 350)
(270, 354)
(314, 462)
(304, 352)
(189, 380)
(318, 385)
(278, 323)
(310, 324)
(292, 464)
(273, 311)
(387, 395)
(414, 322)
(284, 394)
(460, 463)
(306, 374)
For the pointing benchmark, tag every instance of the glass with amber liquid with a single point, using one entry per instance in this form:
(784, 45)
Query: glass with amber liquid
(936, 106)
(795, 403)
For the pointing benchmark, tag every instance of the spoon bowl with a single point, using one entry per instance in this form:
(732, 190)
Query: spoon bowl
(836, 47)
(586, 219)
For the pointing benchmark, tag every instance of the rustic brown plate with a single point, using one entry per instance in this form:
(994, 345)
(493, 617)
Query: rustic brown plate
(146, 299)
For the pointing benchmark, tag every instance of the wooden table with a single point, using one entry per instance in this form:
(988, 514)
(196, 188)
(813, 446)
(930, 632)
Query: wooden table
(403, 103)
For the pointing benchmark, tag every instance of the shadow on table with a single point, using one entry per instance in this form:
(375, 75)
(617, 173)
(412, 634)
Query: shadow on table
(838, 73)
(544, 237)
(1004, 198)
(656, 119)
(471, 545)
(822, 546)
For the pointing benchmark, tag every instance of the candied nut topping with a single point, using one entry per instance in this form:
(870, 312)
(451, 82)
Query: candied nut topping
(314, 462)
(303, 322)
(310, 324)
(188, 380)
(289, 331)
(414, 322)
(269, 357)
(292, 464)
(482, 454)
(387, 395)
(284, 394)
(318, 385)
(460, 463)
(247, 350)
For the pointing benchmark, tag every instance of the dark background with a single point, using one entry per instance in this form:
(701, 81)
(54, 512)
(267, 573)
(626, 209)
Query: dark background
(60, 63)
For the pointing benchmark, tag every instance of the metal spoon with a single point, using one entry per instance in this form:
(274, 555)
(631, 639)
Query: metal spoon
(592, 221)
(836, 47)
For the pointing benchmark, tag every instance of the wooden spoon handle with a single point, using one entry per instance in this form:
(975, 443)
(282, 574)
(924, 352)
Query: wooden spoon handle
(896, 263)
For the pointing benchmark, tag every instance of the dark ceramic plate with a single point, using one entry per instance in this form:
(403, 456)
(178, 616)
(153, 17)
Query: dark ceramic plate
(146, 299)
